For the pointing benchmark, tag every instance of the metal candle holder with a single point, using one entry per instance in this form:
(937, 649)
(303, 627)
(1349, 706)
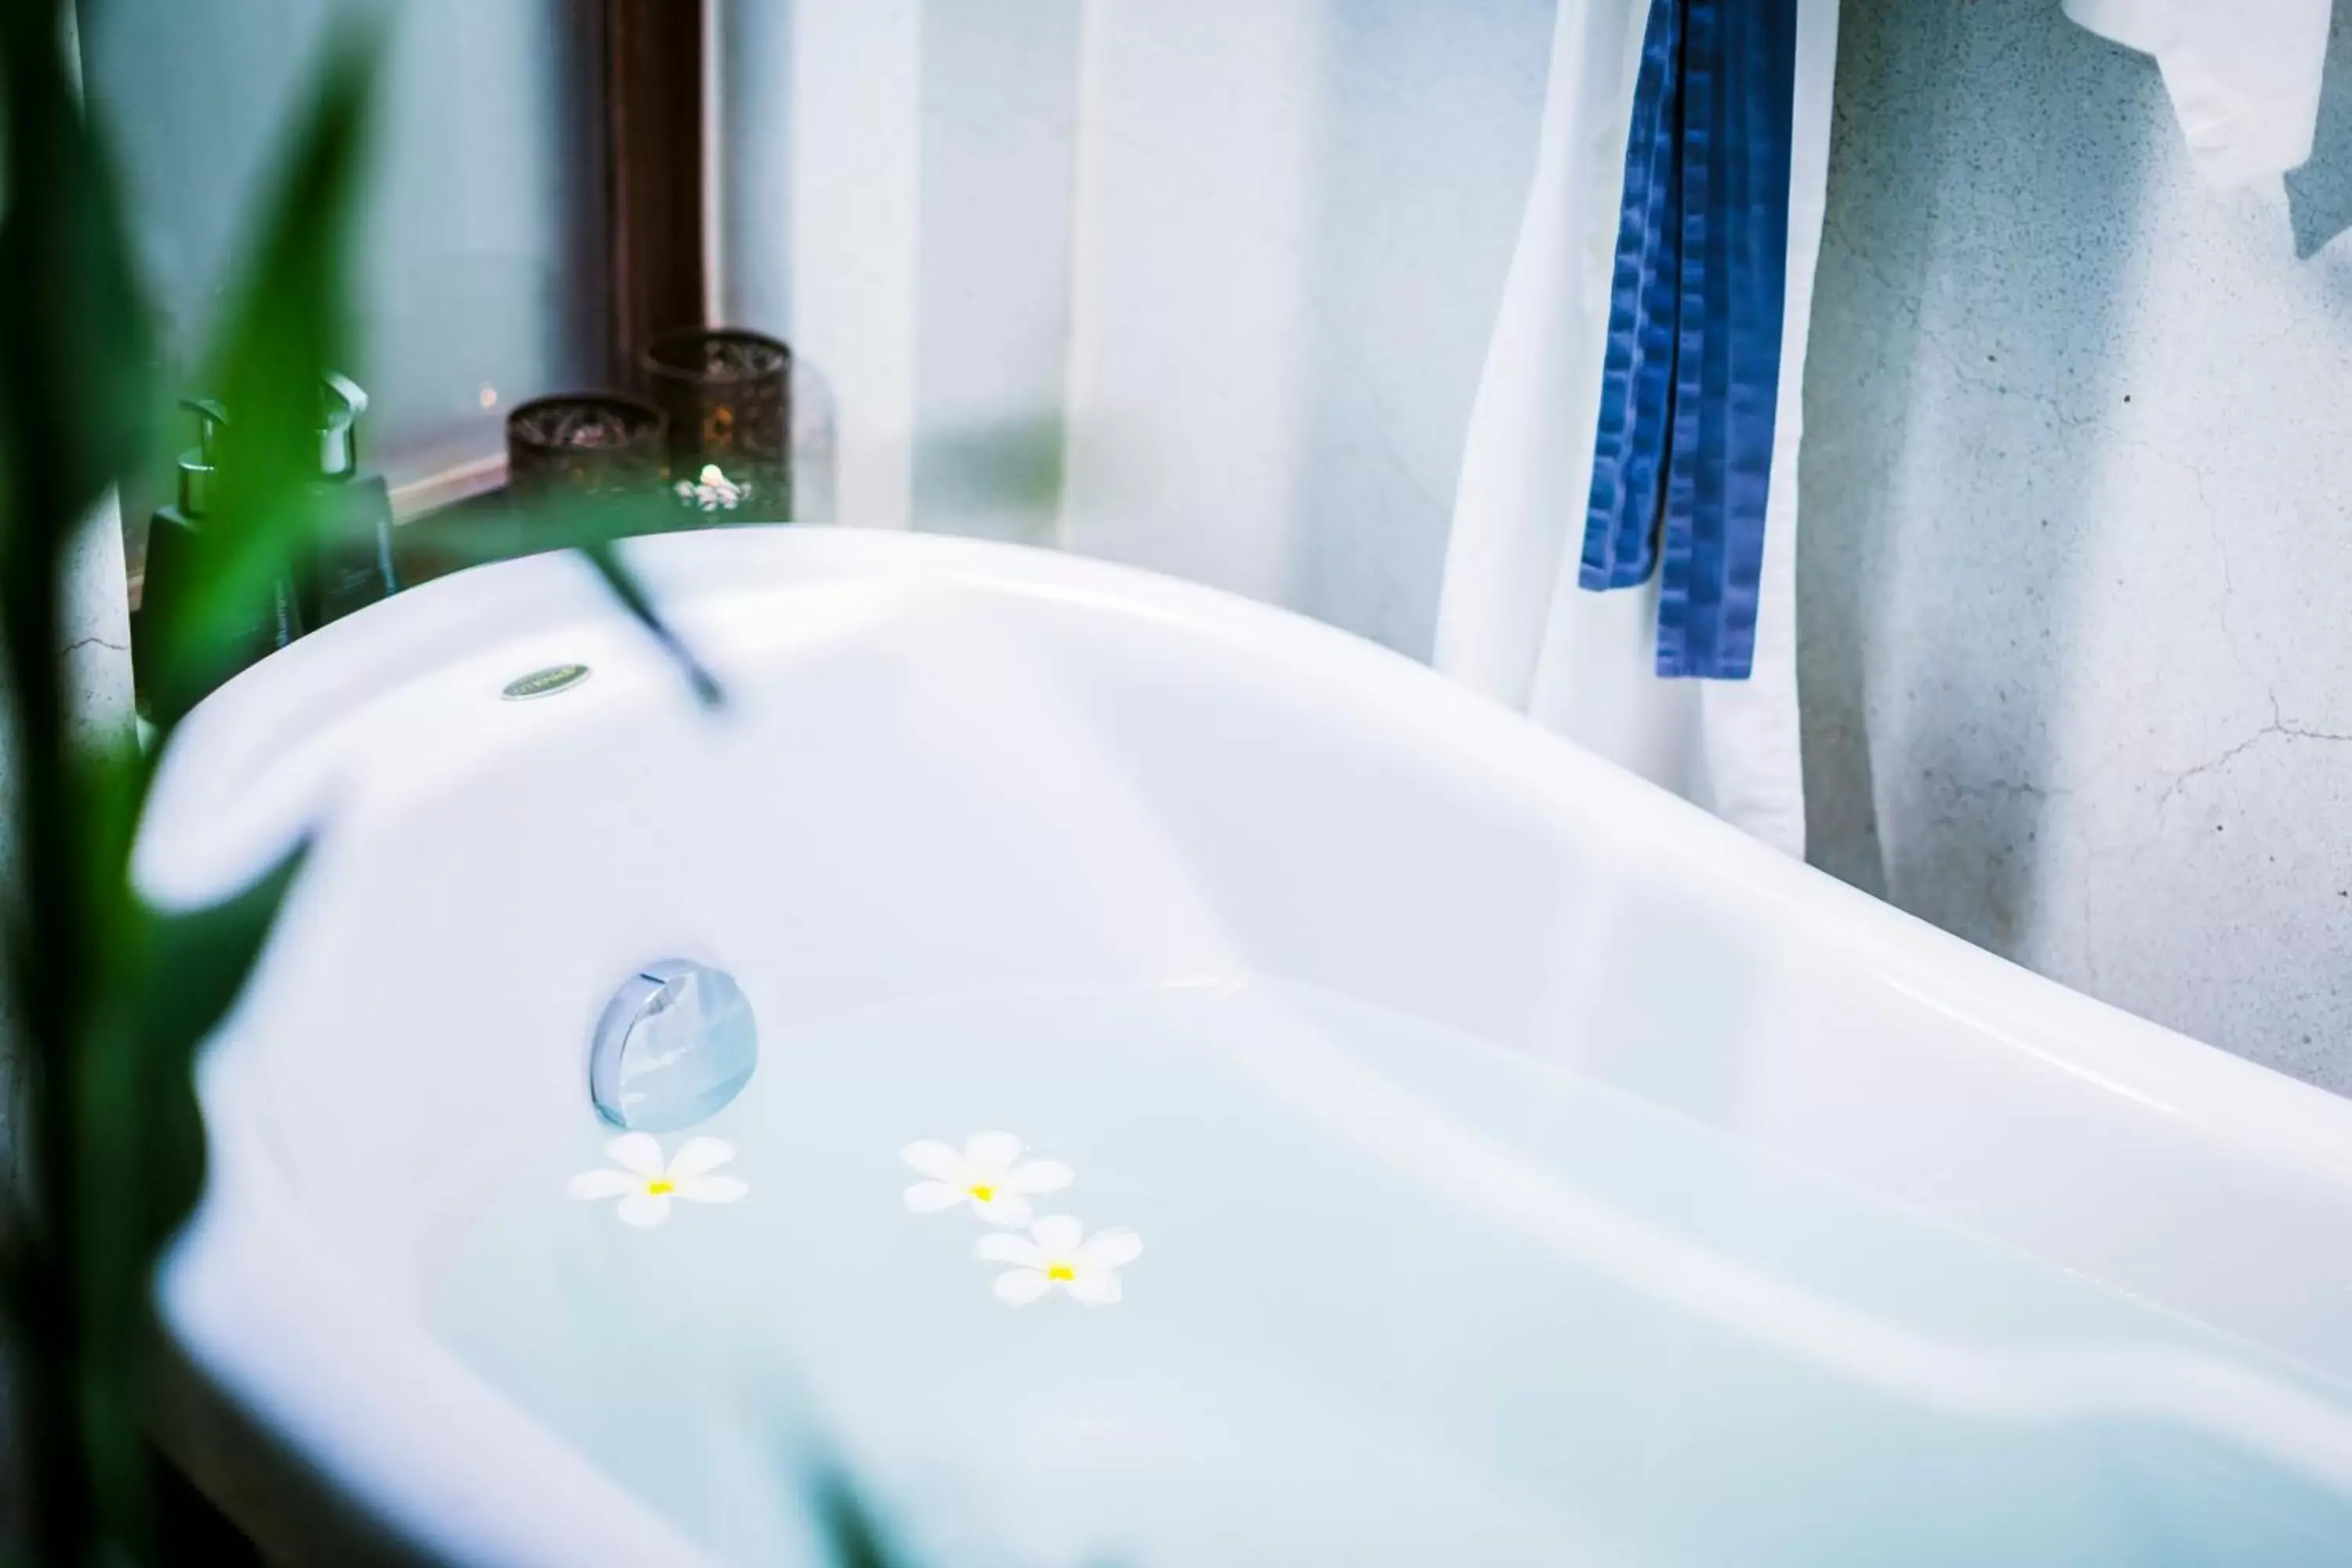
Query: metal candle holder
(728, 395)
(585, 443)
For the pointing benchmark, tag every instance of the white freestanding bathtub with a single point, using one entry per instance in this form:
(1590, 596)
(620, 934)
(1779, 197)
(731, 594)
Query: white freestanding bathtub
(1528, 1167)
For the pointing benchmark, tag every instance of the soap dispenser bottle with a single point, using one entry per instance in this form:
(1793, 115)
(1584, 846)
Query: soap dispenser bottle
(171, 532)
(351, 565)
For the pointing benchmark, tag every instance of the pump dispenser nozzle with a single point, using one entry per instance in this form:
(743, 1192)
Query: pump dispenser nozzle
(351, 565)
(341, 401)
(200, 462)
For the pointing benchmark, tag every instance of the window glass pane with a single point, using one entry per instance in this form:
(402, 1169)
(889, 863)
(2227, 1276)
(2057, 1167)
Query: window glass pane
(464, 306)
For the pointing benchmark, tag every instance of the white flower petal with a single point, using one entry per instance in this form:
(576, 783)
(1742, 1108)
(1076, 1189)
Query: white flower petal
(1004, 1246)
(1021, 1287)
(1005, 1208)
(1058, 1234)
(712, 1189)
(1039, 1176)
(637, 1153)
(930, 1197)
(601, 1184)
(1095, 1290)
(698, 1155)
(934, 1160)
(989, 1154)
(1112, 1249)
(645, 1208)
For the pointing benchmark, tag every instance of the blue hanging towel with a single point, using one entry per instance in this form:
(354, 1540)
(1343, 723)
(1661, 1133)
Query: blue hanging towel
(1620, 532)
(1683, 456)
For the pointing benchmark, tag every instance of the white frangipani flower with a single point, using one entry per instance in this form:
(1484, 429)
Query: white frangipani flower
(645, 1184)
(713, 491)
(1058, 1252)
(990, 1174)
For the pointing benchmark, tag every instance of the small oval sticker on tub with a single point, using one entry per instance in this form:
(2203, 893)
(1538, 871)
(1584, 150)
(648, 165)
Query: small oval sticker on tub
(545, 682)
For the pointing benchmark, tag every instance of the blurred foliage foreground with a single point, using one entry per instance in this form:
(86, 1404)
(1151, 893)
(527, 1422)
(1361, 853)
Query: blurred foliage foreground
(111, 996)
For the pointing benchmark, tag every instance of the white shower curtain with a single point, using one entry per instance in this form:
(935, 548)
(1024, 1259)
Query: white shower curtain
(1215, 287)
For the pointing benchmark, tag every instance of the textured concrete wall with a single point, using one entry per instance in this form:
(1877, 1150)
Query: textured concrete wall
(2077, 660)
(96, 653)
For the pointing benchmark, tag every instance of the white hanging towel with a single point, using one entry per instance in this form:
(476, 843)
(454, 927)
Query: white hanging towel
(2244, 75)
(1512, 620)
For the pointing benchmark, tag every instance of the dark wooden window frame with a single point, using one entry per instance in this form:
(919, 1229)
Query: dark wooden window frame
(643, 236)
(636, 86)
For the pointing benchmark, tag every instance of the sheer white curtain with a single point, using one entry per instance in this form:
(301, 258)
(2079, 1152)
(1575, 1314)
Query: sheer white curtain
(1216, 287)
(1204, 285)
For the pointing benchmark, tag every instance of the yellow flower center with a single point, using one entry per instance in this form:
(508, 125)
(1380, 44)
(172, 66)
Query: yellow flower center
(984, 1193)
(1063, 1272)
(661, 1189)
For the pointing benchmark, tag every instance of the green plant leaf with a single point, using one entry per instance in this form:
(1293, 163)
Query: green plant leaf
(287, 326)
(73, 402)
(73, 327)
(633, 597)
(198, 965)
(853, 1536)
(592, 525)
(169, 980)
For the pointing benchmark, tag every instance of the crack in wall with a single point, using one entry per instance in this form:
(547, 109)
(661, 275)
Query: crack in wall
(93, 641)
(2277, 727)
